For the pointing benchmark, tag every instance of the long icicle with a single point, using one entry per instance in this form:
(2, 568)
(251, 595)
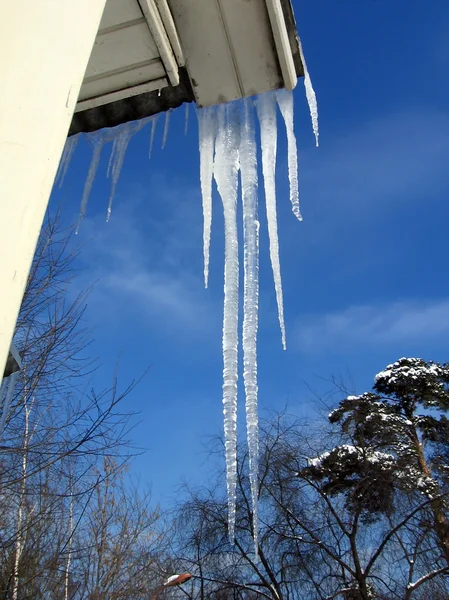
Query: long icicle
(310, 94)
(207, 132)
(118, 152)
(226, 175)
(166, 124)
(69, 149)
(153, 130)
(266, 111)
(285, 102)
(248, 167)
(112, 157)
(186, 123)
(97, 141)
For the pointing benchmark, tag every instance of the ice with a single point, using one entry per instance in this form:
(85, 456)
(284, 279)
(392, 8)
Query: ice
(153, 129)
(227, 145)
(226, 175)
(266, 111)
(120, 136)
(119, 147)
(207, 132)
(8, 396)
(112, 157)
(310, 94)
(118, 152)
(285, 102)
(69, 149)
(97, 139)
(248, 166)
(167, 123)
(186, 123)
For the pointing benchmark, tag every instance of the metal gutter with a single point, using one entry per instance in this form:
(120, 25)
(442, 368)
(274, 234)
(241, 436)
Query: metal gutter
(282, 43)
(169, 25)
(156, 26)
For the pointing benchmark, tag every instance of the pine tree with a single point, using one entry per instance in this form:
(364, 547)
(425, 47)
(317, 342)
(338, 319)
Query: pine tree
(399, 442)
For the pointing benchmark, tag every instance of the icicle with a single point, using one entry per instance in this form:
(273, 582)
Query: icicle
(69, 149)
(97, 140)
(153, 129)
(310, 94)
(112, 157)
(226, 175)
(266, 111)
(12, 380)
(207, 132)
(118, 152)
(285, 102)
(248, 167)
(186, 124)
(167, 122)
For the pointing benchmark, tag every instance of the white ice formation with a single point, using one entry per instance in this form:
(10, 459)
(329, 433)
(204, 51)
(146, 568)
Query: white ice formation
(119, 147)
(66, 157)
(97, 139)
(207, 127)
(227, 147)
(227, 144)
(248, 168)
(167, 123)
(226, 170)
(310, 95)
(153, 130)
(266, 111)
(285, 103)
(120, 138)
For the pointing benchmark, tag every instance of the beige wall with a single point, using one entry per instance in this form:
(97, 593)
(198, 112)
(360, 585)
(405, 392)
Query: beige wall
(44, 48)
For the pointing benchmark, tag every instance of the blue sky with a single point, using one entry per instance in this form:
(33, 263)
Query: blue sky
(364, 275)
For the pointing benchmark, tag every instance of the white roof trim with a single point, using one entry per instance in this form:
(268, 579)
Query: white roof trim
(161, 40)
(156, 84)
(282, 43)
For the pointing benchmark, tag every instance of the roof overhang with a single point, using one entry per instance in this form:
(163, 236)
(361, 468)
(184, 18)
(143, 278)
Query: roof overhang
(150, 56)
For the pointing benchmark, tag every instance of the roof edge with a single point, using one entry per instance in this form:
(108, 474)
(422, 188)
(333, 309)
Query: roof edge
(133, 108)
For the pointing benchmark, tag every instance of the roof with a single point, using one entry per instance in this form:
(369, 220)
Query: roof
(150, 56)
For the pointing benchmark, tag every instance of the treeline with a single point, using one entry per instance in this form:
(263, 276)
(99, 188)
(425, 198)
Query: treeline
(353, 508)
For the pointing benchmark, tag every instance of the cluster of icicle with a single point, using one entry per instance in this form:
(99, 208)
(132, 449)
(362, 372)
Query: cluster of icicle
(227, 141)
(120, 137)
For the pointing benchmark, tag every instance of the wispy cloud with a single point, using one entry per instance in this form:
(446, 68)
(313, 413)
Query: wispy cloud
(395, 157)
(143, 271)
(357, 326)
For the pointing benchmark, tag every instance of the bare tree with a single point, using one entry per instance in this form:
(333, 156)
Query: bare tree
(314, 543)
(118, 548)
(54, 434)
